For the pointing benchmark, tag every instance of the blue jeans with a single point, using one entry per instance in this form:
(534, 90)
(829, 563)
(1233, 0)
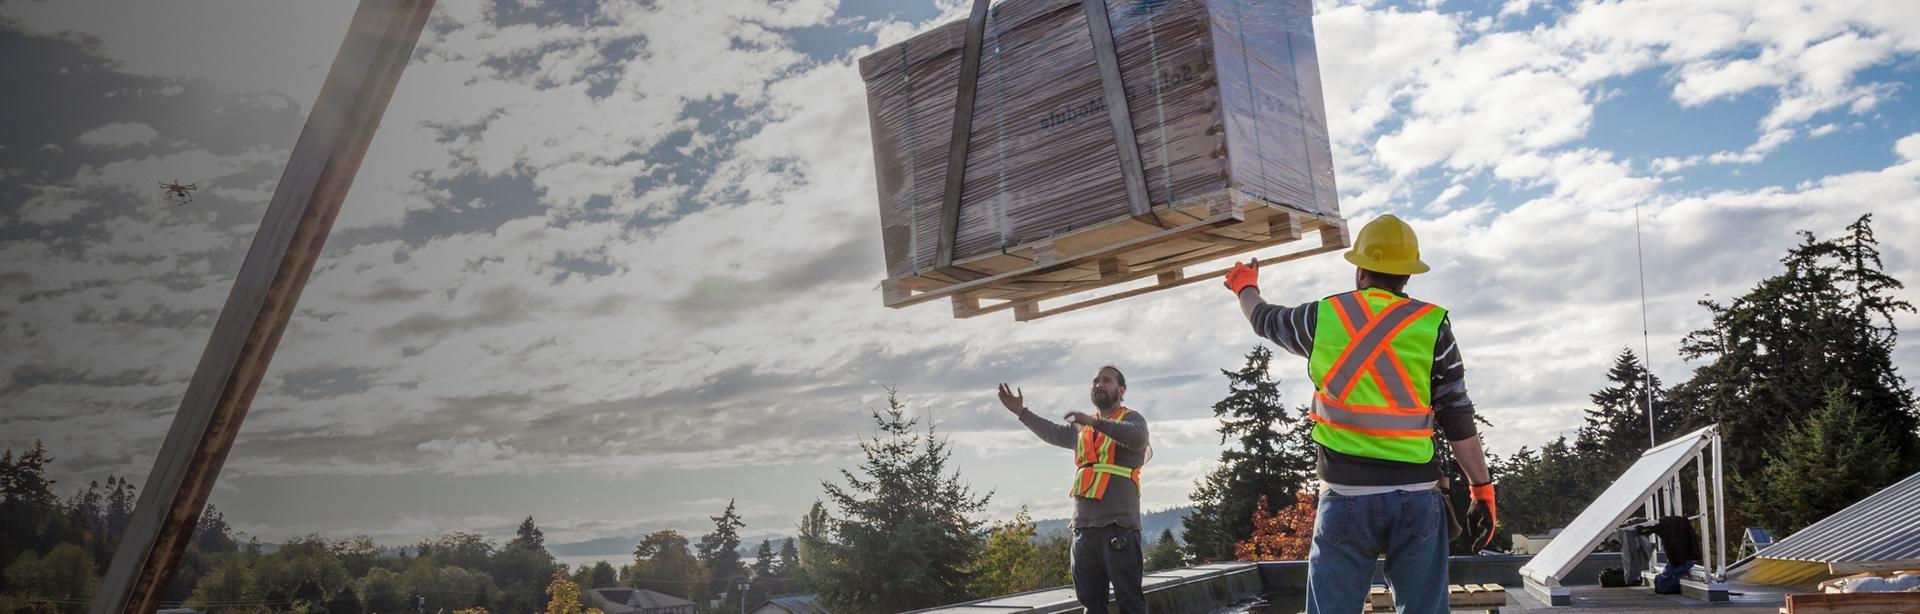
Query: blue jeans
(1349, 532)
(1668, 582)
(1109, 554)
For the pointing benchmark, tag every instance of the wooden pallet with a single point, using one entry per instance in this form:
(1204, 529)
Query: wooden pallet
(1852, 603)
(1161, 246)
(1488, 597)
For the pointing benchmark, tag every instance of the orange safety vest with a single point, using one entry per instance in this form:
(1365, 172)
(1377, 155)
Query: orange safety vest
(1093, 454)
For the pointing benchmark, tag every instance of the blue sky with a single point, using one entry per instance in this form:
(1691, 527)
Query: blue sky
(611, 264)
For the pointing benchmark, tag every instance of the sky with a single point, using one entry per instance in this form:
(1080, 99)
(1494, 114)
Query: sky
(613, 264)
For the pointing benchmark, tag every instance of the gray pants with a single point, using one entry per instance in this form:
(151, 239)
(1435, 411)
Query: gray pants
(1103, 555)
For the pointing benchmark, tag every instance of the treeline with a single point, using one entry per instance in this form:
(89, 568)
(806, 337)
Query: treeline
(1797, 372)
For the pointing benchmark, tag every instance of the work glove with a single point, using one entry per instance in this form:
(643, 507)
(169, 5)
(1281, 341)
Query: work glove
(1243, 275)
(1482, 515)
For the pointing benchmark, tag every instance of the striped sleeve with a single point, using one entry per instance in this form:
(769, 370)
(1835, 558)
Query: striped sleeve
(1452, 409)
(1291, 328)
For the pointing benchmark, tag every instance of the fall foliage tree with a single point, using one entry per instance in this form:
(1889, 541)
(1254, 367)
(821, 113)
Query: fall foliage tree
(1285, 535)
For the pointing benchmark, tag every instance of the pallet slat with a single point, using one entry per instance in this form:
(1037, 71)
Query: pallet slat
(1079, 266)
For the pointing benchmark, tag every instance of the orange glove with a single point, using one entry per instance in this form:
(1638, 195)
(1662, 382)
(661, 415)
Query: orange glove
(1482, 515)
(1243, 276)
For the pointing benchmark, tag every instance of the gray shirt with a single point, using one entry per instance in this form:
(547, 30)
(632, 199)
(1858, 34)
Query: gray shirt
(1121, 505)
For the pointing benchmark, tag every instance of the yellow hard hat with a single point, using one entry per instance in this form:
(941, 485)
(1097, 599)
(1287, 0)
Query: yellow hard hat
(1387, 245)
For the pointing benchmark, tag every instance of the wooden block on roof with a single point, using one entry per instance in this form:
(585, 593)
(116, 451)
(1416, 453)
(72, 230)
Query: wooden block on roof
(1852, 603)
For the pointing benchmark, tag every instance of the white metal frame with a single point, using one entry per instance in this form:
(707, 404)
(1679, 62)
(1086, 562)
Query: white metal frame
(1659, 496)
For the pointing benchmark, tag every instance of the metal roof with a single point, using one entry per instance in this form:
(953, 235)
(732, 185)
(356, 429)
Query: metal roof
(796, 604)
(1882, 527)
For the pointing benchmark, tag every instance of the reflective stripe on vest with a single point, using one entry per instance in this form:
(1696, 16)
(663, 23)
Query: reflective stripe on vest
(1093, 456)
(1372, 367)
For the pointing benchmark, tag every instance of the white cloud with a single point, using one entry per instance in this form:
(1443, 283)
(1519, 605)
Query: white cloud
(717, 338)
(118, 134)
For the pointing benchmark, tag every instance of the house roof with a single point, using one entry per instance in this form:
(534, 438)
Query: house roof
(795, 604)
(655, 599)
(1881, 527)
(621, 599)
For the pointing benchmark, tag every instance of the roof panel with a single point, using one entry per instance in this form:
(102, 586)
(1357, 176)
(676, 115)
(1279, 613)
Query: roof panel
(1881, 527)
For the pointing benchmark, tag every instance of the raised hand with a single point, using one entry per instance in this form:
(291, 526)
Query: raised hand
(1012, 399)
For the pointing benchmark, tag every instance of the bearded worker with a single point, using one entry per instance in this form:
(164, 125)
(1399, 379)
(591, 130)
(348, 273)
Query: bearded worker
(1109, 447)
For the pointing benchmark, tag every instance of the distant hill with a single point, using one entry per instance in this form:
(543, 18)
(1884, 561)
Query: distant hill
(623, 546)
(1151, 523)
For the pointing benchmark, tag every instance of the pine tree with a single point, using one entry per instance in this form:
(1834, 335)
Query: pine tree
(1771, 356)
(1534, 488)
(1616, 426)
(906, 529)
(1833, 459)
(121, 498)
(1271, 458)
(720, 552)
(1166, 553)
(529, 535)
(212, 534)
(766, 578)
(789, 559)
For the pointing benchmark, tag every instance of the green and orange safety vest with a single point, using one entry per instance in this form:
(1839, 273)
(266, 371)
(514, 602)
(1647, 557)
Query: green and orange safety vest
(1372, 369)
(1093, 454)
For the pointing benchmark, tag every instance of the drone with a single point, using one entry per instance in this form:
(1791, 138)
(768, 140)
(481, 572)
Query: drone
(177, 193)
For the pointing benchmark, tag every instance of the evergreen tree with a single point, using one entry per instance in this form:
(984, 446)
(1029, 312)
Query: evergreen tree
(1833, 459)
(121, 498)
(789, 559)
(212, 533)
(766, 579)
(520, 572)
(1824, 323)
(1535, 487)
(905, 526)
(1166, 553)
(530, 536)
(1272, 457)
(720, 552)
(1615, 432)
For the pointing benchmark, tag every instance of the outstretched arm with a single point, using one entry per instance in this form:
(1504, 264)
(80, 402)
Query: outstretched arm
(1129, 432)
(1289, 327)
(1048, 431)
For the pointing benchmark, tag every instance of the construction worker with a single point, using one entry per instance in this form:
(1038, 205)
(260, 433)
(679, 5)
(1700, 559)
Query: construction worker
(1385, 372)
(1109, 447)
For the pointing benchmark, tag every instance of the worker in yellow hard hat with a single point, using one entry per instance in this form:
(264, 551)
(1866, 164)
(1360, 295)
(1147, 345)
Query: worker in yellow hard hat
(1386, 372)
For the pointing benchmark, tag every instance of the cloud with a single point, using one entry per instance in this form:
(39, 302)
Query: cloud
(492, 308)
(119, 134)
(640, 246)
